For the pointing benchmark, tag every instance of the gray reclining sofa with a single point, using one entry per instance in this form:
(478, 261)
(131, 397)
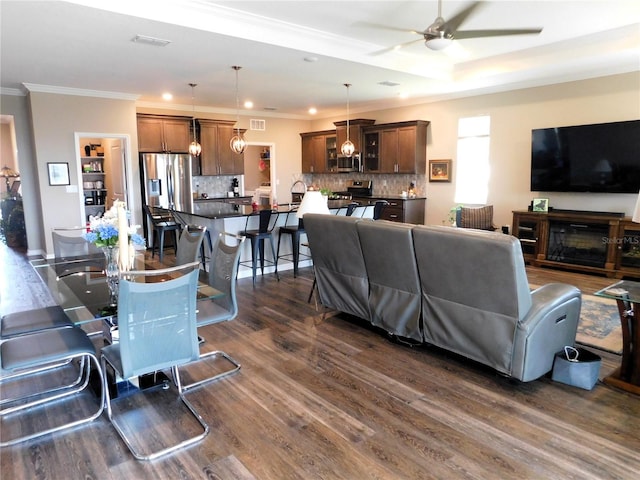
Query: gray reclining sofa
(462, 290)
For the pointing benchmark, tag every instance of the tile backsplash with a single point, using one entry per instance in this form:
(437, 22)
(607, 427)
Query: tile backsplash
(383, 184)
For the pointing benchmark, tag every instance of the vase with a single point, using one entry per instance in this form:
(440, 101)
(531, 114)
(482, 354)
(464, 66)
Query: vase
(112, 272)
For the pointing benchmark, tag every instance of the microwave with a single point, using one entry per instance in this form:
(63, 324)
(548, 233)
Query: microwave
(349, 164)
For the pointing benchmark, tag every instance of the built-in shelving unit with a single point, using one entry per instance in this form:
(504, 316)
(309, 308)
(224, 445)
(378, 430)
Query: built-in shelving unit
(93, 185)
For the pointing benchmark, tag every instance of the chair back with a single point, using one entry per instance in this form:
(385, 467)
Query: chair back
(189, 244)
(159, 217)
(395, 297)
(223, 269)
(266, 221)
(351, 208)
(339, 266)
(68, 242)
(378, 207)
(157, 321)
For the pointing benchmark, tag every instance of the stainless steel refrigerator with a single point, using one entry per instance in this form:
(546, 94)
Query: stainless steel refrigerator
(166, 182)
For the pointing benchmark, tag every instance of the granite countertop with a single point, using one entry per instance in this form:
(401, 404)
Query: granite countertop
(215, 209)
(219, 199)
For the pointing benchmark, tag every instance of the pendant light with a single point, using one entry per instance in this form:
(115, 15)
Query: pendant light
(237, 143)
(347, 147)
(194, 147)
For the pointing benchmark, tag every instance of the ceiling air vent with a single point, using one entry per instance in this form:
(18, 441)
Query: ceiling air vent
(257, 124)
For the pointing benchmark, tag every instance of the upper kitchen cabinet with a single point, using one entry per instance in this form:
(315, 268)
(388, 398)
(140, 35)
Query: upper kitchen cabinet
(318, 148)
(217, 158)
(355, 132)
(396, 147)
(161, 133)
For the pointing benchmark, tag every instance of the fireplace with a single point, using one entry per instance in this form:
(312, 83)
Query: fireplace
(578, 243)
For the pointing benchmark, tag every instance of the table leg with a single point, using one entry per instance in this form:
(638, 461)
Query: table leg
(627, 377)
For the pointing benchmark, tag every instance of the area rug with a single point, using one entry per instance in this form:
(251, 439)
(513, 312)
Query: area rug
(599, 324)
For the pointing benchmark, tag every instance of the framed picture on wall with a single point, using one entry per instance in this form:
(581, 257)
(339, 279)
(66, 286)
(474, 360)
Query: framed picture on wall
(439, 170)
(58, 173)
(540, 205)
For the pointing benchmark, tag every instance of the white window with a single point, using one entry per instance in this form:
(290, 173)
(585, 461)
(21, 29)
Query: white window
(472, 173)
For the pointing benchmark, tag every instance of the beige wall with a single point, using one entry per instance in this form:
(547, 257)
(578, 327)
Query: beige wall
(56, 121)
(513, 114)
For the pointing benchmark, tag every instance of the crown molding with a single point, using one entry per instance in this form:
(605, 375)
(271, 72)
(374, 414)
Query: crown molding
(14, 92)
(79, 92)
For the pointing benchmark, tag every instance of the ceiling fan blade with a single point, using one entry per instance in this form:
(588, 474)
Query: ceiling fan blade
(386, 27)
(454, 22)
(395, 47)
(465, 34)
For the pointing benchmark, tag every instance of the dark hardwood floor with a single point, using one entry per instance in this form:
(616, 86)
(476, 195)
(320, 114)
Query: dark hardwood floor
(322, 396)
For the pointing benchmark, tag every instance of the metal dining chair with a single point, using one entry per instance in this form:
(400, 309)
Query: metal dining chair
(190, 244)
(223, 268)
(157, 328)
(69, 243)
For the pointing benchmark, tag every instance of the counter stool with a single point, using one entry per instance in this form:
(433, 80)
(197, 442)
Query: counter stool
(162, 222)
(294, 232)
(266, 224)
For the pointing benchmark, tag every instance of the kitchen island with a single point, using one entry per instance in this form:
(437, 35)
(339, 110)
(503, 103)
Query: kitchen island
(219, 215)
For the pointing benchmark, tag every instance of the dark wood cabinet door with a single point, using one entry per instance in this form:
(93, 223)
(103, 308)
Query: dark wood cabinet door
(209, 143)
(150, 135)
(176, 135)
(407, 151)
(388, 150)
(230, 163)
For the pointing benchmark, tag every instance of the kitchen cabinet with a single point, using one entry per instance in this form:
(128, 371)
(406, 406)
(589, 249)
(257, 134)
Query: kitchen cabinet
(318, 149)
(355, 132)
(161, 133)
(405, 210)
(93, 186)
(217, 158)
(396, 147)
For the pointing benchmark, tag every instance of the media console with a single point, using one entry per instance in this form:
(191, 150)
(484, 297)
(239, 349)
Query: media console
(594, 242)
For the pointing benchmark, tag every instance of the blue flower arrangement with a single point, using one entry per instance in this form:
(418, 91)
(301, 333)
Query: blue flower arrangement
(103, 230)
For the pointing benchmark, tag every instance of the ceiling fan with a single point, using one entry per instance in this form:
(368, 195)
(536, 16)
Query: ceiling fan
(441, 33)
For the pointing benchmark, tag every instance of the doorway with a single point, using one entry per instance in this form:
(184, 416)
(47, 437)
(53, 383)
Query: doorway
(103, 172)
(259, 171)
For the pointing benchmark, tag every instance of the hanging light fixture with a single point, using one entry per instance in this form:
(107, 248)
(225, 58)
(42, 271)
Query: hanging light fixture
(194, 147)
(347, 147)
(237, 143)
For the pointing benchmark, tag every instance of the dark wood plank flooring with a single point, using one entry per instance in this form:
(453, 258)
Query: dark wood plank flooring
(322, 396)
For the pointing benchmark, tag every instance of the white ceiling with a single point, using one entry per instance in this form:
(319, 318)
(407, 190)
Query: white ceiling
(87, 46)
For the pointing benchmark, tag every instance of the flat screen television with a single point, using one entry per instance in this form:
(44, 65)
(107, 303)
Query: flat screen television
(602, 157)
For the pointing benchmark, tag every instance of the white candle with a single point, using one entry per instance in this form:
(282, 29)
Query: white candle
(123, 237)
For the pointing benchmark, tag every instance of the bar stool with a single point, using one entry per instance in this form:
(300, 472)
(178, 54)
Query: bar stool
(294, 232)
(162, 222)
(267, 222)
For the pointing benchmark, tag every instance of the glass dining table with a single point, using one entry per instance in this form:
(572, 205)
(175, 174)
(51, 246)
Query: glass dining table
(79, 284)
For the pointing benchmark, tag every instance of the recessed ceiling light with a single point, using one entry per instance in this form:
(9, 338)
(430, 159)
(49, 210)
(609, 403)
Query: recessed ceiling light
(403, 95)
(310, 59)
(248, 104)
(313, 110)
(156, 42)
(167, 96)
